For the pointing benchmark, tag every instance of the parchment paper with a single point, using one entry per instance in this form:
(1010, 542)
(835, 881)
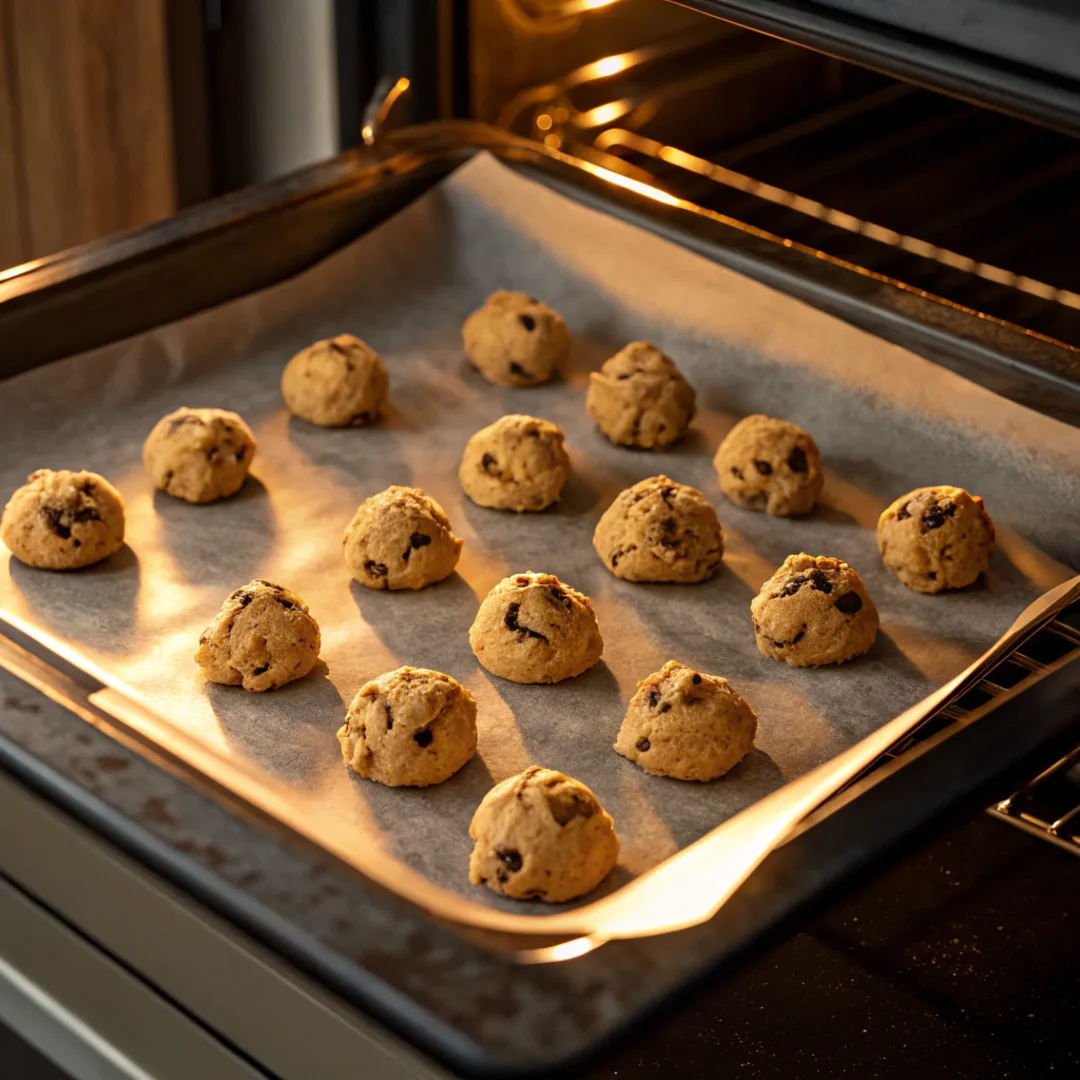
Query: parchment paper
(885, 420)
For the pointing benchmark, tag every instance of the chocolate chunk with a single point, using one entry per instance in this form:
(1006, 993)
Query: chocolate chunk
(511, 621)
(375, 569)
(423, 738)
(642, 745)
(528, 322)
(936, 516)
(561, 598)
(665, 494)
(763, 467)
(261, 670)
(169, 477)
(666, 707)
(390, 717)
(799, 636)
(417, 540)
(239, 455)
(654, 698)
(931, 575)
(737, 473)
(284, 603)
(510, 858)
(88, 488)
(819, 581)
(903, 512)
(796, 460)
(243, 596)
(567, 805)
(519, 371)
(849, 603)
(52, 515)
(793, 586)
(615, 556)
(696, 680)
(86, 513)
(624, 375)
(487, 463)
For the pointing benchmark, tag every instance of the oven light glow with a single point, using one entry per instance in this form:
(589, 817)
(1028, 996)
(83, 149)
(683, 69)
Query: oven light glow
(604, 114)
(543, 122)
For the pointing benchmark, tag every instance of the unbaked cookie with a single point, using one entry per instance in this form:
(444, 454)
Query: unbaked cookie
(813, 611)
(518, 463)
(199, 454)
(514, 340)
(531, 628)
(659, 530)
(63, 520)
(409, 728)
(400, 539)
(684, 724)
(262, 638)
(541, 835)
(771, 465)
(639, 398)
(340, 382)
(936, 538)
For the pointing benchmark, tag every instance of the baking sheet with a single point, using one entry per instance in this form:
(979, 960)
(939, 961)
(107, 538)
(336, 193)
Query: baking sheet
(885, 420)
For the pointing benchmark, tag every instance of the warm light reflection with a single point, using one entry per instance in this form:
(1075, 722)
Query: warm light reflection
(603, 114)
(543, 122)
(609, 65)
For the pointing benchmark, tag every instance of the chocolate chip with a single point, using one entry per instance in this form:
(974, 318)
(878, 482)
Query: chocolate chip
(796, 460)
(642, 745)
(88, 488)
(77, 543)
(903, 512)
(849, 603)
(360, 418)
(654, 698)
(390, 718)
(567, 805)
(763, 467)
(375, 569)
(561, 598)
(793, 586)
(487, 463)
(615, 556)
(696, 680)
(423, 738)
(261, 670)
(624, 375)
(936, 516)
(239, 455)
(52, 515)
(799, 636)
(666, 707)
(931, 575)
(819, 581)
(528, 322)
(417, 540)
(243, 596)
(665, 494)
(519, 371)
(284, 603)
(511, 621)
(510, 858)
(169, 477)
(86, 513)
(737, 473)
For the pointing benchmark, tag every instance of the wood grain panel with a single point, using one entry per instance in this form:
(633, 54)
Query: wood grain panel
(94, 110)
(14, 246)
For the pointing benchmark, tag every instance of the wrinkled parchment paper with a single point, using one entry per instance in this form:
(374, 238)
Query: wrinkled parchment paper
(885, 420)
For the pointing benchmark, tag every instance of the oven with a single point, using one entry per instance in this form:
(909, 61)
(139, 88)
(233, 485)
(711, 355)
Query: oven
(891, 170)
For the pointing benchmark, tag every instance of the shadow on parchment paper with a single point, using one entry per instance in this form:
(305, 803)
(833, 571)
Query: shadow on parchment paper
(313, 709)
(426, 628)
(372, 455)
(70, 603)
(192, 533)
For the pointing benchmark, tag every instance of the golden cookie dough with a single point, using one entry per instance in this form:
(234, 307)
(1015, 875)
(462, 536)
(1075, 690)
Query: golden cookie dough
(813, 611)
(518, 463)
(936, 538)
(531, 628)
(659, 530)
(63, 520)
(771, 465)
(684, 724)
(409, 728)
(340, 382)
(640, 398)
(541, 835)
(515, 340)
(199, 455)
(262, 638)
(400, 539)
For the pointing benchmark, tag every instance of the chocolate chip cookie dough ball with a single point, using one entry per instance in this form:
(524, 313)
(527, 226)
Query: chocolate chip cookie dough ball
(684, 724)
(514, 340)
(63, 520)
(262, 638)
(936, 538)
(541, 835)
(770, 465)
(814, 611)
(400, 539)
(199, 455)
(518, 463)
(340, 382)
(409, 728)
(531, 628)
(639, 398)
(659, 530)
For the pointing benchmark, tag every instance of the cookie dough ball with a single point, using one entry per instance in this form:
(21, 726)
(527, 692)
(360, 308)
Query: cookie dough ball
(340, 382)
(659, 530)
(400, 539)
(262, 638)
(541, 836)
(639, 398)
(813, 611)
(199, 455)
(770, 465)
(936, 538)
(531, 628)
(63, 520)
(684, 724)
(409, 728)
(518, 463)
(514, 340)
